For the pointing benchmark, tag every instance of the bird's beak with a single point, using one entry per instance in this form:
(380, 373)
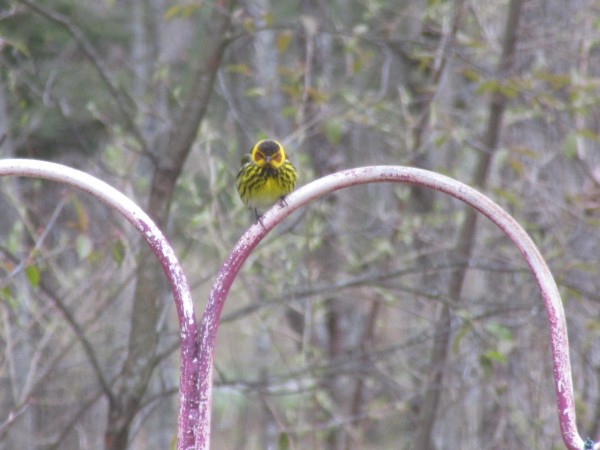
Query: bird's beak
(267, 159)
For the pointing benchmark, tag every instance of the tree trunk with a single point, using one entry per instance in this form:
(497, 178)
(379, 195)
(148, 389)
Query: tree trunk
(466, 240)
(168, 160)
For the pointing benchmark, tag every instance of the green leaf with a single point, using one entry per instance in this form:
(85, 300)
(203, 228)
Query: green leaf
(470, 74)
(570, 146)
(586, 133)
(117, 251)
(83, 246)
(7, 297)
(556, 80)
(493, 356)
(32, 273)
(255, 92)
(459, 335)
(488, 86)
(283, 41)
(289, 111)
(242, 69)
(332, 129)
(182, 11)
(284, 441)
(19, 46)
(499, 331)
(82, 217)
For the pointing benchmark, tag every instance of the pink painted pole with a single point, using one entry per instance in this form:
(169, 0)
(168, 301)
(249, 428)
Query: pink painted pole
(198, 412)
(417, 177)
(188, 394)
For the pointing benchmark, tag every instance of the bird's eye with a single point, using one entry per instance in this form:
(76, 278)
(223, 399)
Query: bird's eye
(258, 156)
(277, 157)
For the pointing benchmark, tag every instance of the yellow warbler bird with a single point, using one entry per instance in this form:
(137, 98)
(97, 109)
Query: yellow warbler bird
(266, 175)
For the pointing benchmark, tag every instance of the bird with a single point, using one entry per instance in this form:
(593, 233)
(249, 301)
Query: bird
(266, 176)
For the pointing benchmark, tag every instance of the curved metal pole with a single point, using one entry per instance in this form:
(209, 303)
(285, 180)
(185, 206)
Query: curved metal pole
(418, 177)
(188, 394)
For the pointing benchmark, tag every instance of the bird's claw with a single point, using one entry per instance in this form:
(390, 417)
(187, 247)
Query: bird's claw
(259, 218)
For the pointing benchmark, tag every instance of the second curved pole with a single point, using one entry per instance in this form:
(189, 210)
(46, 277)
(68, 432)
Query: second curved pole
(417, 177)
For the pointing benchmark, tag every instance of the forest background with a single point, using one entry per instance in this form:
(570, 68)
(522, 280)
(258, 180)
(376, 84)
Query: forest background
(379, 317)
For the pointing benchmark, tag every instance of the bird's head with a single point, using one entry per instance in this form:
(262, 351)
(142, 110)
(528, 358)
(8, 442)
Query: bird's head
(268, 153)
